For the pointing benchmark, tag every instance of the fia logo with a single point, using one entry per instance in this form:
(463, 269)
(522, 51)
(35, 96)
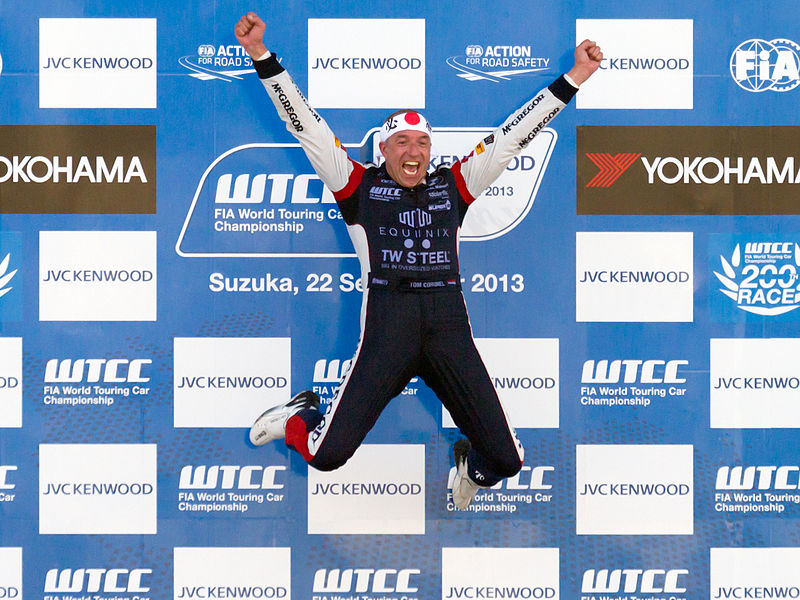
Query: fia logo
(760, 65)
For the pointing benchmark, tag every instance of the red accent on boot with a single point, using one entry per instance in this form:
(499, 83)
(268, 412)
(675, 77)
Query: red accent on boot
(297, 436)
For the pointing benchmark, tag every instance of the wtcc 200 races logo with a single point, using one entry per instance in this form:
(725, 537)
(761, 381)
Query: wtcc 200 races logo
(497, 63)
(223, 62)
(761, 276)
(760, 65)
(252, 202)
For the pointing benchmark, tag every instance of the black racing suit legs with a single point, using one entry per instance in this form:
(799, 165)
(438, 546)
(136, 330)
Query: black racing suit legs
(406, 334)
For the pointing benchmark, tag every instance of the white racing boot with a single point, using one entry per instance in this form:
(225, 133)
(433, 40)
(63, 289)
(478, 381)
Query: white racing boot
(271, 425)
(464, 488)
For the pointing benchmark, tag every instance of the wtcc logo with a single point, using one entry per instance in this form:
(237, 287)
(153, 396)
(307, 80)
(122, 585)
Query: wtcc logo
(373, 581)
(94, 370)
(759, 65)
(632, 371)
(497, 63)
(222, 62)
(763, 477)
(642, 581)
(762, 277)
(228, 477)
(93, 580)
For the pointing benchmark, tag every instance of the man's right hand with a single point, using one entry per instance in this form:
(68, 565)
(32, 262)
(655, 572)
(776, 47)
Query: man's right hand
(249, 32)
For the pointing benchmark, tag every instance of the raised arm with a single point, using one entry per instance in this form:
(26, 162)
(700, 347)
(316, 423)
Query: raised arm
(480, 169)
(323, 149)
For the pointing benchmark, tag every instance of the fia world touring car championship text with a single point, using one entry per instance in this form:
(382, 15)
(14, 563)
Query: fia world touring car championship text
(268, 220)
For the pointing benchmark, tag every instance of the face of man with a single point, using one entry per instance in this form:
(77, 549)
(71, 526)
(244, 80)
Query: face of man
(407, 155)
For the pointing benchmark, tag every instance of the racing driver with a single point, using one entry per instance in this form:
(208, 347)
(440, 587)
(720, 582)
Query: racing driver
(404, 222)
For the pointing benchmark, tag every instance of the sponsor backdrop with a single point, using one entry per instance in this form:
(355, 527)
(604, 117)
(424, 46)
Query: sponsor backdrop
(170, 266)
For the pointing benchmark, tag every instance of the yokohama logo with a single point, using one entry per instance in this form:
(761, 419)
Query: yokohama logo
(611, 167)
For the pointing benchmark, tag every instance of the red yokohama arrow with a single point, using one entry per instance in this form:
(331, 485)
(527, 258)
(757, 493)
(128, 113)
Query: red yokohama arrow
(611, 166)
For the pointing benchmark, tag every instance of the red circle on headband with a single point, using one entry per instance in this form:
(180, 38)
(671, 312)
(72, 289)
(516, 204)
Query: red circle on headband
(412, 118)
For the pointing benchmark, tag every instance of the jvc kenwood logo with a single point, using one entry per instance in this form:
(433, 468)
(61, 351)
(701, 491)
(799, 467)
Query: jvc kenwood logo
(78, 168)
(228, 477)
(379, 63)
(524, 383)
(95, 370)
(211, 382)
(94, 580)
(9, 382)
(763, 477)
(688, 170)
(246, 592)
(647, 63)
(116, 488)
(760, 65)
(499, 591)
(633, 371)
(635, 489)
(97, 63)
(642, 581)
(370, 581)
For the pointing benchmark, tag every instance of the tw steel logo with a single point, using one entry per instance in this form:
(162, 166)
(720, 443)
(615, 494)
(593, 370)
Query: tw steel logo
(610, 166)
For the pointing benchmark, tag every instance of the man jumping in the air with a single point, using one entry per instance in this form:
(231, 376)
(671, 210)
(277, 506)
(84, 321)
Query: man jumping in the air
(413, 317)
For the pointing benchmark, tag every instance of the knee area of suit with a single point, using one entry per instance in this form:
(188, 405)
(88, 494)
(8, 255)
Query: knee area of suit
(329, 462)
(507, 466)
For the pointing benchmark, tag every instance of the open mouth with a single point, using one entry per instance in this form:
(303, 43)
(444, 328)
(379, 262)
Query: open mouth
(411, 167)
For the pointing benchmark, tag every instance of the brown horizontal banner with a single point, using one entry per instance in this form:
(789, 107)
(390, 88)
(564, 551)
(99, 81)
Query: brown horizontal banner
(88, 169)
(688, 170)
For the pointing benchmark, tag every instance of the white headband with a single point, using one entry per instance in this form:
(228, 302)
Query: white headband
(406, 121)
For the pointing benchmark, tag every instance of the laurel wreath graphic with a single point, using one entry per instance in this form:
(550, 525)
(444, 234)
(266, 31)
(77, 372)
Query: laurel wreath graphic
(5, 278)
(732, 291)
